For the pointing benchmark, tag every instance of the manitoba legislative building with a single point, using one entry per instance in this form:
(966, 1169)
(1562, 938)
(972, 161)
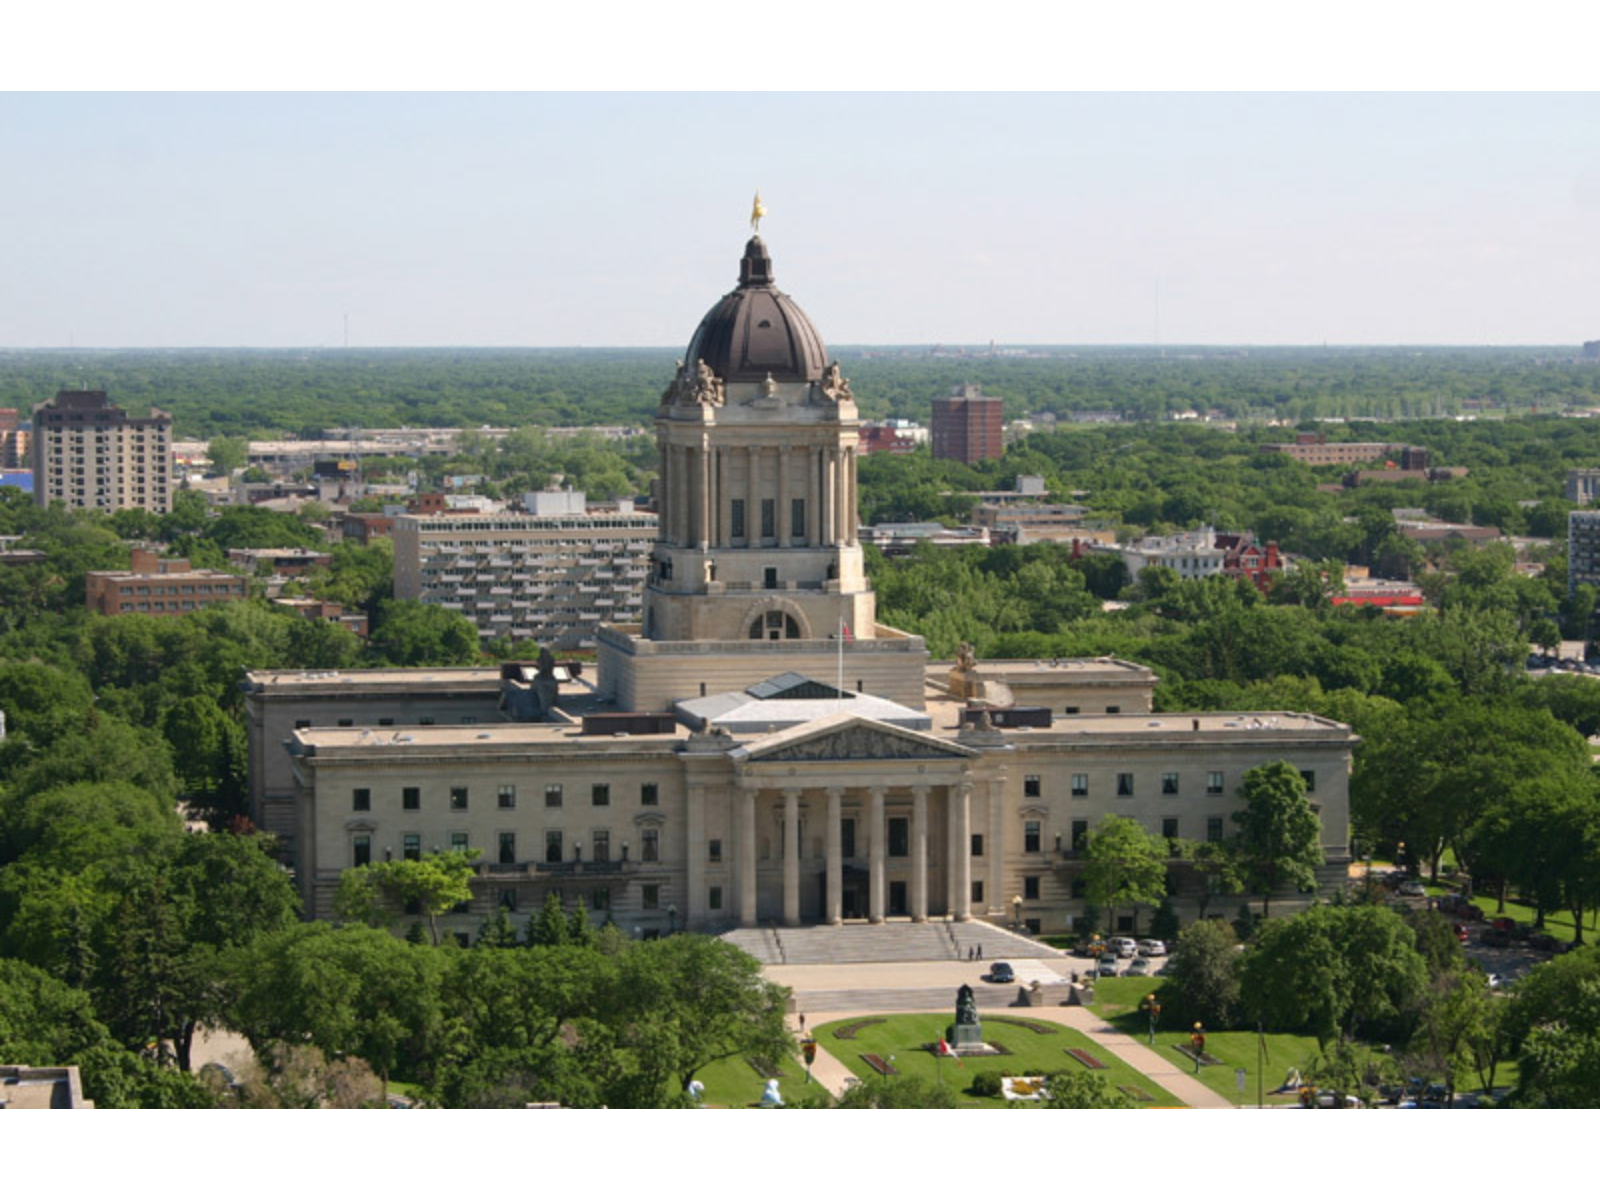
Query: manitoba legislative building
(758, 750)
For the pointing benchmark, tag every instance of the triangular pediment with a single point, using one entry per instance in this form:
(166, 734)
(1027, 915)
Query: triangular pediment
(847, 738)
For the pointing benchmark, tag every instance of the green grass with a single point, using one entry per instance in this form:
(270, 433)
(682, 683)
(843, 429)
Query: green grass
(1031, 1054)
(1557, 924)
(733, 1083)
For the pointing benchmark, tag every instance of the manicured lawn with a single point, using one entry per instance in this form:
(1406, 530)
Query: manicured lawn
(904, 1036)
(733, 1083)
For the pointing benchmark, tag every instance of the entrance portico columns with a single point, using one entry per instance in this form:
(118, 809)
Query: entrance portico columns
(877, 883)
(834, 913)
(747, 855)
(919, 852)
(961, 852)
(791, 856)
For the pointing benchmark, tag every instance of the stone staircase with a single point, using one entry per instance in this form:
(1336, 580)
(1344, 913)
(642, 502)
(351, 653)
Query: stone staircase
(892, 941)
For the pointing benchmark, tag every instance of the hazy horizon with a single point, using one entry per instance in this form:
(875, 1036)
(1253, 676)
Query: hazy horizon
(614, 220)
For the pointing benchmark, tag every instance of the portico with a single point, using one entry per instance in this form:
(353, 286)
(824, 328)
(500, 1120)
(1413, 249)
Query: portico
(892, 805)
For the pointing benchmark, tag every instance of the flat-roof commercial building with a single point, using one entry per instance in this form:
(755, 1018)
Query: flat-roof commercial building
(160, 587)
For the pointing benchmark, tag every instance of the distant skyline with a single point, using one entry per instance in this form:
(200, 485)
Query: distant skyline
(616, 219)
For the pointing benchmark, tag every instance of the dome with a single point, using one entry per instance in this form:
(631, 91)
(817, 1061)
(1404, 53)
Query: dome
(755, 330)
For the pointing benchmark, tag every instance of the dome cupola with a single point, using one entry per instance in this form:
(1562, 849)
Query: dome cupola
(756, 331)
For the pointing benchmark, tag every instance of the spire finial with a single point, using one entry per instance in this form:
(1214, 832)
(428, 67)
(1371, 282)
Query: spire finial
(757, 211)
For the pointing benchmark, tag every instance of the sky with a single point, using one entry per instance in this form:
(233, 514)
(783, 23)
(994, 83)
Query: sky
(616, 218)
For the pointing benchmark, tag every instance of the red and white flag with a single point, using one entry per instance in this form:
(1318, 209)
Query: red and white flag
(946, 1050)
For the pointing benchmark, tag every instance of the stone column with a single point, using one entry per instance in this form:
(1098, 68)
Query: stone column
(995, 847)
(783, 496)
(703, 487)
(851, 511)
(835, 900)
(877, 884)
(747, 855)
(826, 498)
(695, 902)
(791, 856)
(950, 851)
(721, 534)
(919, 852)
(963, 852)
(752, 498)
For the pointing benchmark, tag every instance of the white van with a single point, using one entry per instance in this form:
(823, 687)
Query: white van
(1124, 947)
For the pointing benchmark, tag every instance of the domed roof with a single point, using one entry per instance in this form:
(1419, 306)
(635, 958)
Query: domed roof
(755, 330)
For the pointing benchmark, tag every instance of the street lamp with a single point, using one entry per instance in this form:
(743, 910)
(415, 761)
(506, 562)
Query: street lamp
(1016, 911)
(672, 918)
(1152, 1007)
(1197, 1043)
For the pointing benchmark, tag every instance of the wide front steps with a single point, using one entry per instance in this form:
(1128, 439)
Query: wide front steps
(895, 940)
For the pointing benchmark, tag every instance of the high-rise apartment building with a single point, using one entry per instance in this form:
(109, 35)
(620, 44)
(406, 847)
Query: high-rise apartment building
(1583, 548)
(967, 425)
(88, 453)
(13, 440)
(553, 578)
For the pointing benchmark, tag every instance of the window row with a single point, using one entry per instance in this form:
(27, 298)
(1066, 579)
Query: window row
(505, 796)
(556, 847)
(1171, 783)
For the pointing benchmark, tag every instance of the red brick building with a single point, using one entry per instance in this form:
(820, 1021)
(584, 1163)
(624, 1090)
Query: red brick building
(160, 587)
(967, 425)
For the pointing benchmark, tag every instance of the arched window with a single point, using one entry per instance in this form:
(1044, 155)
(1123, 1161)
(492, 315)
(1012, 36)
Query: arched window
(774, 627)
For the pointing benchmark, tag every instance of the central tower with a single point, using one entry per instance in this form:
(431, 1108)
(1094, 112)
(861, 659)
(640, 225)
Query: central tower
(757, 569)
(758, 438)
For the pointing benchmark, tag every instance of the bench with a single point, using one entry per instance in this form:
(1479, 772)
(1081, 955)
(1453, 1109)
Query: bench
(879, 1065)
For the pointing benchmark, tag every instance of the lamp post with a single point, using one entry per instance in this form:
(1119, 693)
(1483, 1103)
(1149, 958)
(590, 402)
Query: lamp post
(672, 918)
(1197, 1043)
(1152, 1008)
(1016, 912)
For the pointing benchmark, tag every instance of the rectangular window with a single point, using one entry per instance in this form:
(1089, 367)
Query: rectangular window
(649, 793)
(508, 795)
(1169, 783)
(302, 724)
(714, 900)
(458, 841)
(1311, 780)
(1125, 784)
(600, 839)
(977, 891)
(847, 837)
(652, 896)
(977, 845)
(1080, 785)
(1169, 827)
(346, 722)
(361, 799)
(552, 845)
(385, 721)
(411, 799)
(1080, 887)
(508, 899)
(769, 518)
(1113, 708)
(1213, 829)
(411, 846)
(552, 795)
(1030, 837)
(362, 847)
(899, 837)
(736, 521)
(1031, 786)
(1030, 887)
(600, 900)
(600, 795)
(1073, 710)
(1080, 834)
(1213, 783)
(797, 520)
(651, 851)
(458, 799)
(508, 848)
(714, 850)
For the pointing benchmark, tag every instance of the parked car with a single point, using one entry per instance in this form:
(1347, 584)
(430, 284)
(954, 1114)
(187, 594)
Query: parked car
(1151, 948)
(1124, 947)
(1139, 966)
(1108, 964)
(1460, 931)
(1495, 936)
(1542, 941)
(1001, 972)
(1411, 887)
